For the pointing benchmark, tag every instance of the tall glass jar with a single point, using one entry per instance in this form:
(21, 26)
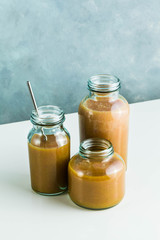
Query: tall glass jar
(49, 151)
(96, 175)
(104, 113)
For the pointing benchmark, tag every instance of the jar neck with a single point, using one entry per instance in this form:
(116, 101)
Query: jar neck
(103, 83)
(96, 148)
(47, 116)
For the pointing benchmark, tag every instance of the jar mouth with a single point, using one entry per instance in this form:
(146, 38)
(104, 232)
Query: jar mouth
(96, 147)
(48, 115)
(103, 83)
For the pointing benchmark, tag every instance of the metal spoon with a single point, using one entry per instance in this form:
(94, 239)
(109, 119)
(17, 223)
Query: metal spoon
(35, 105)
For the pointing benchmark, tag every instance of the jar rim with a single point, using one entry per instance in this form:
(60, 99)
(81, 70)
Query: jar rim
(48, 115)
(104, 83)
(103, 148)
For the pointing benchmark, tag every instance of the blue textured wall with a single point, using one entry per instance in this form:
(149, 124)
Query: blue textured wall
(58, 44)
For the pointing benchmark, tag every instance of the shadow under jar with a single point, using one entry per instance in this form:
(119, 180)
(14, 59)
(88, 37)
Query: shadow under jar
(49, 151)
(104, 113)
(96, 175)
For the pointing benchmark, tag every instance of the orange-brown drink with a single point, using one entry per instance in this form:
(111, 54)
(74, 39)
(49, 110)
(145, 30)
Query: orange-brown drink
(49, 151)
(105, 113)
(96, 175)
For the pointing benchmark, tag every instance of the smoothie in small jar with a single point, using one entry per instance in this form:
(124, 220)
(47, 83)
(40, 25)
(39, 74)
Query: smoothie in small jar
(49, 151)
(96, 175)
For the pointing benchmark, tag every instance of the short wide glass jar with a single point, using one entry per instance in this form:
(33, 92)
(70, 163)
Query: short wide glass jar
(49, 151)
(104, 113)
(96, 175)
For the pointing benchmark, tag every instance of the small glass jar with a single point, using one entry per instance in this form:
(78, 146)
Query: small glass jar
(96, 175)
(49, 151)
(104, 113)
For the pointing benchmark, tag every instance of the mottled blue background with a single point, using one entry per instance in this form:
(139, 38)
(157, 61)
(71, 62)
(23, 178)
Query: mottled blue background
(58, 44)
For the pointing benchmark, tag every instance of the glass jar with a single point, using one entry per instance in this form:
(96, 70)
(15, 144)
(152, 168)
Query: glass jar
(96, 175)
(104, 113)
(49, 151)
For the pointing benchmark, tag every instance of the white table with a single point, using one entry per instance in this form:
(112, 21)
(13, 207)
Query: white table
(27, 215)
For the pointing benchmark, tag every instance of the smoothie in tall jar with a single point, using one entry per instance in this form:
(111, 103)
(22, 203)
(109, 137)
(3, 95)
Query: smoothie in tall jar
(105, 113)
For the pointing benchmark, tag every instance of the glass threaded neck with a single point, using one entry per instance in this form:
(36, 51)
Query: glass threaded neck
(48, 115)
(103, 83)
(96, 147)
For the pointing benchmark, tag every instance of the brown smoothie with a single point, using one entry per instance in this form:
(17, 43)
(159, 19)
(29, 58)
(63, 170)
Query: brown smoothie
(48, 163)
(96, 185)
(105, 118)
